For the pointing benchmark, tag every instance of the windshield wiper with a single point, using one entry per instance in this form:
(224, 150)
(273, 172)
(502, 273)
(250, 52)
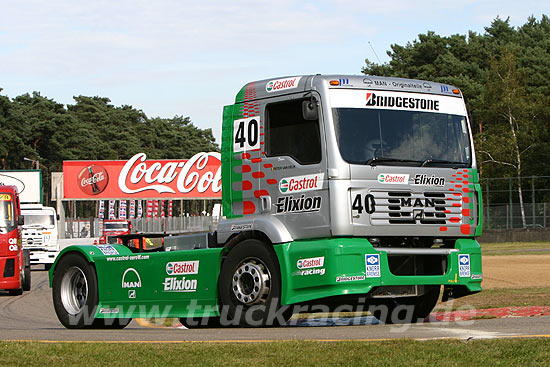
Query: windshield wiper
(430, 161)
(378, 160)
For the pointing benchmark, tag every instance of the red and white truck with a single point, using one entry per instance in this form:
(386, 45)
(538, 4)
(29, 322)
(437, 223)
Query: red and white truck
(15, 266)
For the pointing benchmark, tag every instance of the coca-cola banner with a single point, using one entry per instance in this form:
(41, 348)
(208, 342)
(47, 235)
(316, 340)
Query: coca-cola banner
(138, 177)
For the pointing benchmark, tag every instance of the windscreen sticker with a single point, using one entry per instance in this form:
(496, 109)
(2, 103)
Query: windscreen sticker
(5, 197)
(401, 101)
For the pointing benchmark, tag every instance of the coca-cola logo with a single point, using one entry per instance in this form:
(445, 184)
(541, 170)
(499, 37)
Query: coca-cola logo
(194, 174)
(93, 179)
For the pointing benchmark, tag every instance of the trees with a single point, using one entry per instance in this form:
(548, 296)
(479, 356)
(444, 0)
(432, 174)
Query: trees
(92, 128)
(504, 75)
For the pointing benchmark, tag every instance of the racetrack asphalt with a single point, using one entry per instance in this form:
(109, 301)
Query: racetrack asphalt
(32, 317)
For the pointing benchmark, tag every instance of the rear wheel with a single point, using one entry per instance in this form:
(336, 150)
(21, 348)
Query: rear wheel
(250, 287)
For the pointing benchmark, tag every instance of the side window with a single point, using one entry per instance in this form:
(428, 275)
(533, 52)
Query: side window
(289, 134)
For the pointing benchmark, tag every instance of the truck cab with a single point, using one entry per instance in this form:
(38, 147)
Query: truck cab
(15, 273)
(40, 235)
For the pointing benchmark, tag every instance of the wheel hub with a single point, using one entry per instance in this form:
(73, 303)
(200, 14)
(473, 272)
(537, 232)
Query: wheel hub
(74, 290)
(251, 282)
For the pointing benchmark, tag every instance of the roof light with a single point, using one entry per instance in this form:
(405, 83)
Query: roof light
(334, 82)
(456, 91)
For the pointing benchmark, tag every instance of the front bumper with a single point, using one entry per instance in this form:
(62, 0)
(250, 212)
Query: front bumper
(320, 268)
(43, 257)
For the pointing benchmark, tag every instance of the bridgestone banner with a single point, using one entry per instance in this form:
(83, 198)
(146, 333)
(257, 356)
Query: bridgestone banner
(139, 178)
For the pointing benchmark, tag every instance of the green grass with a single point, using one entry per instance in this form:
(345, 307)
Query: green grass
(507, 352)
(515, 248)
(500, 297)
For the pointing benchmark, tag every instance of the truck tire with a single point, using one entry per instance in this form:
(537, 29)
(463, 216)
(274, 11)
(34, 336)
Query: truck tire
(15, 292)
(26, 283)
(75, 292)
(250, 287)
(398, 309)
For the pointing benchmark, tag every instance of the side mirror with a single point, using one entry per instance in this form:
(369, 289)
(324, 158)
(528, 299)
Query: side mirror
(20, 220)
(309, 110)
(57, 216)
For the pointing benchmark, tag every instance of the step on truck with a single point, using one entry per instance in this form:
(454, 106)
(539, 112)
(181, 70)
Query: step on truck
(337, 191)
(15, 268)
(40, 235)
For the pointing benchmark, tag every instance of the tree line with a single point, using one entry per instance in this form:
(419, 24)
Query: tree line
(504, 75)
(38, 128)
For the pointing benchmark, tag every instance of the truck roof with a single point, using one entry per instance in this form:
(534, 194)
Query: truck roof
(301, 83)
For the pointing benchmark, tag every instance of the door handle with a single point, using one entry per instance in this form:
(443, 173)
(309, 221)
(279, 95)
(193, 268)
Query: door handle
(266, 203)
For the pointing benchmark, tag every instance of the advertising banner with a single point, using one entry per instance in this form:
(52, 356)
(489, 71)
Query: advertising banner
(28, 183)
(196, 178)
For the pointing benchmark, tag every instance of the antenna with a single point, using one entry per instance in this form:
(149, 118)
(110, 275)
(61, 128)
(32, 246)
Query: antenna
(375, 54)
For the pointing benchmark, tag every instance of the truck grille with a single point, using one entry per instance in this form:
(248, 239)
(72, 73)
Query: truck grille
(29, 242)
(405, 207)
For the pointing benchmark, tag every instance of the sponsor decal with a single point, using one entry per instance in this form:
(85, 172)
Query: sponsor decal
(373, 265)
(182, 267)
(12, 241)
(93, 179)
(5, 197)
(289, 185)
(291, 166)
(282, 84)
(352, 278)
(109, 310)
(412, 103)
(312, 262)
(464, 265)
(132, 293)
(477, 276)
(107, 249)
(129, 258)
(303, 204)
(368, 81)
(306, 272)
(13, 248)
(241, 227)
(425, 180)
(427, 85)
(131, 279)
(390, 178)
(173, 284)
(406, 85)
(343, 81)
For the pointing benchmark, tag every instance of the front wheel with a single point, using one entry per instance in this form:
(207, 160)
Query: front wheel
(250, 287)
(75, 292)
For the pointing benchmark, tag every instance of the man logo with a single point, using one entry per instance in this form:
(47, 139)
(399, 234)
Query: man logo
(129, 280)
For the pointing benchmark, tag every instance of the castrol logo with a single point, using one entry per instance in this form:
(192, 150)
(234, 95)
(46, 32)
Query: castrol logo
(93, 179)
(182, 267)
(388, 178)
(282, 84)
(312, 262)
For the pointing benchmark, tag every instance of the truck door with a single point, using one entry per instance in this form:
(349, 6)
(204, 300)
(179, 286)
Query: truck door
(294, 186)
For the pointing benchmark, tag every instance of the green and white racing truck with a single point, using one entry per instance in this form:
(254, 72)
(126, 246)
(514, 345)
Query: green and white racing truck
(336, 190)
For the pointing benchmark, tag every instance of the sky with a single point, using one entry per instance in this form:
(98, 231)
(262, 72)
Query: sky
(190, 58)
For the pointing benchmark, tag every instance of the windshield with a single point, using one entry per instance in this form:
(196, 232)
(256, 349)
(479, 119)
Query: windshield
(42, 220)
(401, 136)
(115, 226)
(7, 214)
